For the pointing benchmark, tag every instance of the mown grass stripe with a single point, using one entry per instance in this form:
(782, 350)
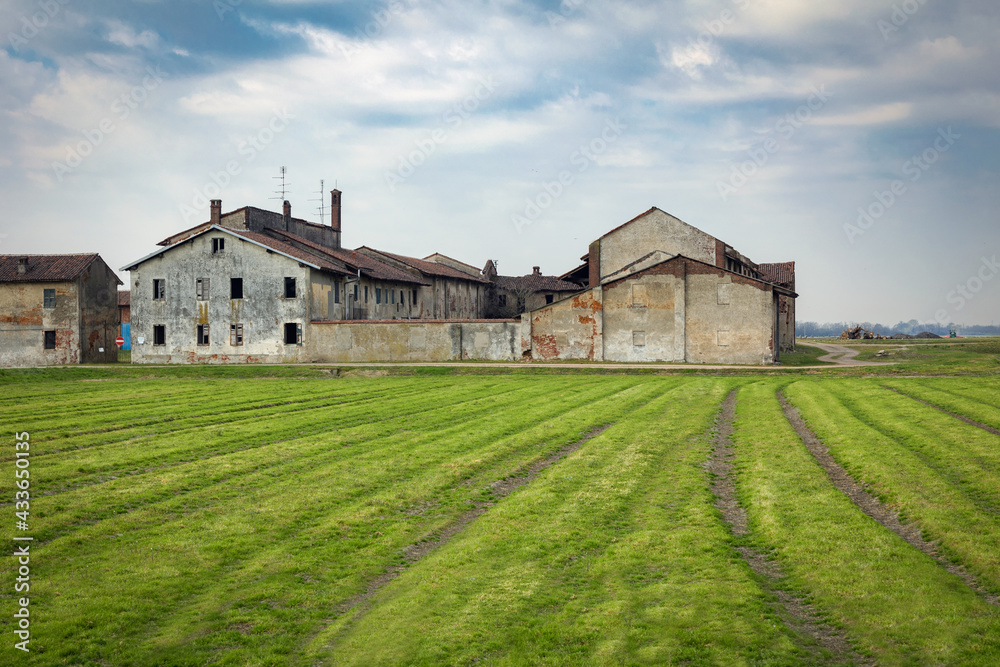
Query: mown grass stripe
(894, 602)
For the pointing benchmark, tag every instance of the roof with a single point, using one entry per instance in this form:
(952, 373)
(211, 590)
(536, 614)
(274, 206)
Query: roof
(124, 298)
(456, 264)
(257, 238)
(245, 210)
(428, 268)
(45, 268)
(370, 266)
(536, 283)
(781, 273)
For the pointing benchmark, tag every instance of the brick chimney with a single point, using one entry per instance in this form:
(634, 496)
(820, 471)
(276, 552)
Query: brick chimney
(335, 209)
(216, 211)
(287, 213)
(22, 265)
(536, 271)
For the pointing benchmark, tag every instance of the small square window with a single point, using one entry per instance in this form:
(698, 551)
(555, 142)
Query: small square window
(202, 334)
(235, 334)
(218, 246)
(289, 288)
(548, 298)
(235, 288)
(50, 340)
(201, 289)
(49, 298)
(159, 334)
(639, 338)
(159, 289)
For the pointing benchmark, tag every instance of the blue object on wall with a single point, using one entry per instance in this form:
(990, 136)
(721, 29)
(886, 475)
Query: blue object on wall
(127, 335)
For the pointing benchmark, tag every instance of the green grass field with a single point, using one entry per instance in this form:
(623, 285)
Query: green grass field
(273, 516)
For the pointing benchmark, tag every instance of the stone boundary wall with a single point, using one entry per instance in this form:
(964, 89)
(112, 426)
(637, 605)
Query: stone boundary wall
(413, 340)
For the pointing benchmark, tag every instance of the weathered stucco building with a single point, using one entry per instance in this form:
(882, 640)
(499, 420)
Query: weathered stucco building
(510, 296)
(257, 286)
(658, 289)
(57, 309)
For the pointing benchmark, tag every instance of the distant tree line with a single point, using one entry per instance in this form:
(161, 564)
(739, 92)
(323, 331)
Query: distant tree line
(912, 328)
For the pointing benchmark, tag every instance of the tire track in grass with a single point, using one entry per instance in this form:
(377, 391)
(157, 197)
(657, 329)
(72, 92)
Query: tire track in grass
(797, 615)
(500, 489)
(971, 422)
(870, 505)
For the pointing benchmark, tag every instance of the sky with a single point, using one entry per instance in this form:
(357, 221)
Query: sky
(859, 138)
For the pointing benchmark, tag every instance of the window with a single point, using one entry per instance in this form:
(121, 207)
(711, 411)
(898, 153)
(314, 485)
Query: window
(49, 298)
(414, 297)
(639, 338)
(723, 294)
(235, 334)
(639, 295)
(159, 289)
(218, 246)
(393, 295)
(289, 288)
(202, 334)
(378, 295)
(548, 298)
(401, 299)
(235, 288)
(366, 293)
(201, 288)
(293, 333)
(355, 293)
(159, 334)
(50, 340)
(336, 291)
(503, 299)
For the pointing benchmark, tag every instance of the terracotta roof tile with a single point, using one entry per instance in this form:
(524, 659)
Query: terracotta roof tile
(536, 283)
(429, 268)
(369, 266)
(782, 273)
(45, 268)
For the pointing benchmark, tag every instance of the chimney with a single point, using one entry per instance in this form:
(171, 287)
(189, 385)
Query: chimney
(335, 209)
(536, 271)
(22, 265)
(216, 211)
(287, 213)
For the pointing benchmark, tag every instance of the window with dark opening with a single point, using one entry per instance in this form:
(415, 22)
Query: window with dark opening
(378, 295)
(202, 334)
(293, 333)
(503, 299)
(336, 291)
(414, 297)
(355, 293)
(159, 334)
(289, 288)
(201, 288)
(235, 334)
(393, 295)
(218, 246)
(50, 340)
(366, 293)
(235, 288)
(159, 289)
(49, 298)
(548, 298)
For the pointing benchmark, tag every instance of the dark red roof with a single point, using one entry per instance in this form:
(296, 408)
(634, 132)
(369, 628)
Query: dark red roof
(369, 266)
(427, 267)
(45, 268)
(313, 258)
(782, 273)
(536, 283)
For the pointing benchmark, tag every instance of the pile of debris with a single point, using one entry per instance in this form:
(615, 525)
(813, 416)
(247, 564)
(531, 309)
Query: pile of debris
(858, 333)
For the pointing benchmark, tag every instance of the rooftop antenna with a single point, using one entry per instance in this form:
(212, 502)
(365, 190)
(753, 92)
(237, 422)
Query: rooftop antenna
(284, 186)
(322, 209)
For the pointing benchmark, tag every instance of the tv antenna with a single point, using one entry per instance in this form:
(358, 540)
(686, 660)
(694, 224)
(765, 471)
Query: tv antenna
(284, 186)
(322, 209)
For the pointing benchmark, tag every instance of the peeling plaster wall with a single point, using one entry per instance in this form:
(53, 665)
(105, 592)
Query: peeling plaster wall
(730, 319)
(98, 314)
(654, 230)
(23, 321)
(786, 323)
(333, 342)
(569, 329)
(262, 311)
(640, 322)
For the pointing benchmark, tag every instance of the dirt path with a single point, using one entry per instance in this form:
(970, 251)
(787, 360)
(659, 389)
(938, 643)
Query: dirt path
(988, 429)
(870, 505)
(801, 617)
(500, 489)
(843, 355)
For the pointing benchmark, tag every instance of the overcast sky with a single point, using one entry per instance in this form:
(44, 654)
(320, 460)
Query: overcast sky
(857, 137)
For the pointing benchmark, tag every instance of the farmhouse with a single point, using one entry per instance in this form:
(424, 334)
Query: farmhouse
(257, 286)
(658, 289)
(57, 309)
